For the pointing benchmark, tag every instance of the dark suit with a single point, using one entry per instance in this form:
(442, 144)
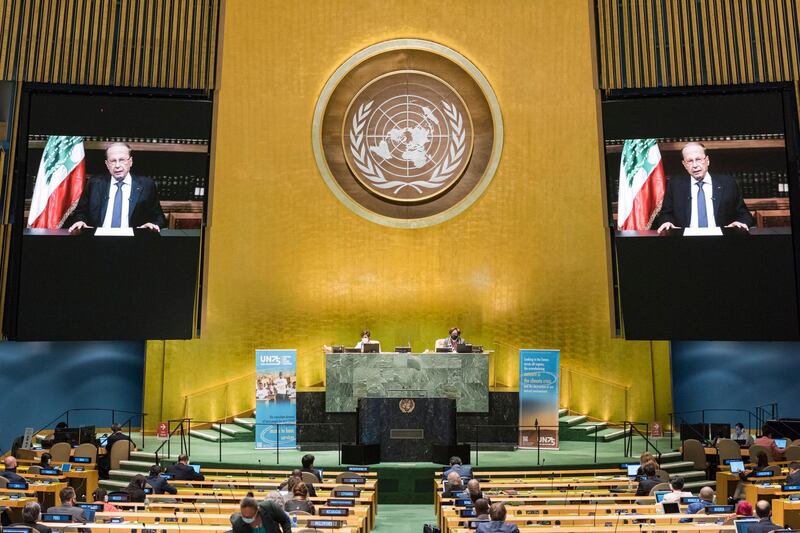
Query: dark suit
(313, 471)
(793, 479)
(502, 527)
(41, 528)
(12, 476)
(182, 472)
(161, 485)
(143, 206)
(646, 485)
(765, 525)
(115, 437)
(726, 198)
(75, 512)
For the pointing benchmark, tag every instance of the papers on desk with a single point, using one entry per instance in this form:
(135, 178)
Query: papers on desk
(702, 232)
(113, 232)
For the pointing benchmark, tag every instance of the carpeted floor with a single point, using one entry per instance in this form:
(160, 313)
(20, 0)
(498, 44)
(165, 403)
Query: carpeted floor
(406, 518)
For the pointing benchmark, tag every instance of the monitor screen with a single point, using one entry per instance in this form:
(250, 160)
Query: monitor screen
(702, 178)
(196, 468)
(660, 495)
(66, 467)
(117, 179)
(737, 466)
(780, 443)
(633, 469)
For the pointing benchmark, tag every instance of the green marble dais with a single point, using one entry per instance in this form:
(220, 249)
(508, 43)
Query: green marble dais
(464, 377)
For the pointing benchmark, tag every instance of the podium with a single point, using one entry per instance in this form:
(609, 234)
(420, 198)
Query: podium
(406, 429)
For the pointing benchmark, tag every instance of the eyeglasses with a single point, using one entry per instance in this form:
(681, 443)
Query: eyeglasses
(697, 160)
(121, 161)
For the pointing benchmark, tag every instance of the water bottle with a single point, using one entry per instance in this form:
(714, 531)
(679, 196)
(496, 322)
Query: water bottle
(294, 520)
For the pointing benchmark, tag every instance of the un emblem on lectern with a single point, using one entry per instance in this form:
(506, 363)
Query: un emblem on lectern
(407, 405)
(407, 133)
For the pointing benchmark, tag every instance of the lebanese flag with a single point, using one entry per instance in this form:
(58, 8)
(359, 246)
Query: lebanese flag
(59, 183)
(641, 184)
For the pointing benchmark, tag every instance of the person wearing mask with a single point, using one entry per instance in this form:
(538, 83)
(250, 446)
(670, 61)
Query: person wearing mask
(294, 477)
(299, 501)
(45, 461)
(761, 464)
(456, 465)
(135, 488)
(264, 517)
(644, 458)
(366, 338)
(453, 485)
(10, 473)
(101, 497)
(744, 438)
(159, 484)
(181, 471)
(452, 341)
(474, 491)
(706, 499)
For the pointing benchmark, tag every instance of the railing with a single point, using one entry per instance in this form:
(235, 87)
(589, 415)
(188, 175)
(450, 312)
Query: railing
(183, 429)
(634, 429)
(64, 417)
(516, 429)
(229, 395)
(755, 419)
(616, 394)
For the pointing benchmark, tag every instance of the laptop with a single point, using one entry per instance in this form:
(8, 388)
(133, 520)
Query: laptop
(196, 468)
(103, 441)
(780, 443)
(371, 347)
(743, 524)
(464, 348)
(66, 467)
(633, 469)
(671, 508)
(660, 495)
(736, 466)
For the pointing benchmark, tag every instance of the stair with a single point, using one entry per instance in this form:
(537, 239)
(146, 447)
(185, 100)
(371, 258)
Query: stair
(571, 420)
(235, 431)
(247, 423)
(210, 435)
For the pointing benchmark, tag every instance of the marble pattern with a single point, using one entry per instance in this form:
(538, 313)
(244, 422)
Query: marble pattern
(462, 377)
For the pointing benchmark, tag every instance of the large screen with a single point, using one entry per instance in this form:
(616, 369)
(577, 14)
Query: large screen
(108, 213)
(699, 189)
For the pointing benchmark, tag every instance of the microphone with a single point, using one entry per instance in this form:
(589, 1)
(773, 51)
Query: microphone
(594, 522)
(249, 483)
(199, 514)
(580, 500)
(619, 517)
(177, 521)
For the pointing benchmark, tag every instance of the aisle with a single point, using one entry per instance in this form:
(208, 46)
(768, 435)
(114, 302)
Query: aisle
(405, 518)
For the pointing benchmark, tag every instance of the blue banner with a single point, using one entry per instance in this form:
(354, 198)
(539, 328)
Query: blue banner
(276, 398)
(538, 398)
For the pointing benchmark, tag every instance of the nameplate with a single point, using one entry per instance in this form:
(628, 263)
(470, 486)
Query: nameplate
(113, 232)
(340, 502)
(702, 232)
(334, 511)
(353, 481)
(324, 524)
(413, 434)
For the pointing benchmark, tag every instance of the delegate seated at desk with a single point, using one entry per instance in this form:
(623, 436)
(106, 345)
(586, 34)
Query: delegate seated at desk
(366, 338)
(451, 341)
(700, 200)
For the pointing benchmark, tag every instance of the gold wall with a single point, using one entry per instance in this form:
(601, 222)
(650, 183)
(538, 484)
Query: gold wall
(289, 266)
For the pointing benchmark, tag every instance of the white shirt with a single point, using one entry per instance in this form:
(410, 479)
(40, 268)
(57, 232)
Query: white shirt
(280, 385)
(261, 394)
(127, 184)
(708, 190)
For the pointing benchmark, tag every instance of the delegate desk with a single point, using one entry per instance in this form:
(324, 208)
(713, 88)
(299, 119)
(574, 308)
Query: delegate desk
(786, 512)
(135, 527)
(462, 377)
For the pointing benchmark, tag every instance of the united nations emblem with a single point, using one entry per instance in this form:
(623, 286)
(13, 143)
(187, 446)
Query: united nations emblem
(407, 405)
(407, 133)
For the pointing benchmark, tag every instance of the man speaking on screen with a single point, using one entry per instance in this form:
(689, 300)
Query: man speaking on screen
(700, 200)
(121, 200)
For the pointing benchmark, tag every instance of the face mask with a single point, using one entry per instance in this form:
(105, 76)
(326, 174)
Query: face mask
(248, 520)
(364, 339)
(454, 336)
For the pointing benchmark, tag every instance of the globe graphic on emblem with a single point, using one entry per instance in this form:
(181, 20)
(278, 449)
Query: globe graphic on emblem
(408, 137)
(408, 133)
